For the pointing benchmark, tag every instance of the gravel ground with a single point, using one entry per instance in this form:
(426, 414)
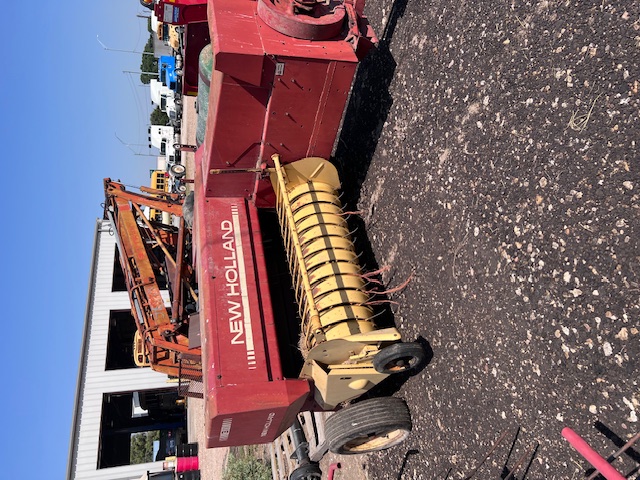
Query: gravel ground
(188, 134)
(492, 149)
(211, 461)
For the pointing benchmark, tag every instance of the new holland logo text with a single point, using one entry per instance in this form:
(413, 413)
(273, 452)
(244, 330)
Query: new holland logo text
(235, 277)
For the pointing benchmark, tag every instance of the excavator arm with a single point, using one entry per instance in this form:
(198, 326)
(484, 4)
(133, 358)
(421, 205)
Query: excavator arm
(149, 252)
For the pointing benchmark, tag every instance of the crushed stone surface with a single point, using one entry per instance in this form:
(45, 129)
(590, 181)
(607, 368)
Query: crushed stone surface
(491, 148)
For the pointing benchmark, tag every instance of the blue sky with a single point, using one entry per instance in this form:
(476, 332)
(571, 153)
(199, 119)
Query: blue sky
(64, 99)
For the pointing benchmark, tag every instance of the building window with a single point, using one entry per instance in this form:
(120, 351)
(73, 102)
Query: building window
(122, 328)
(139, 427)
(118, 283)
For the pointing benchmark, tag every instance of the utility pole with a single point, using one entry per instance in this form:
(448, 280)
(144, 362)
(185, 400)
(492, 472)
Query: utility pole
(128, 145)
(118, 50)
(140, 73)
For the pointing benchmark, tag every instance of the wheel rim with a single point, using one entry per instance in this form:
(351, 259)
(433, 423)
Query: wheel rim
(399, 357)
(401, 364)
(309, 471)
(376, 441)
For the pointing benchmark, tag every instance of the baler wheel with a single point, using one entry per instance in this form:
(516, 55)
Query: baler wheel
(307, 471)
(368, 426)
(399, 357)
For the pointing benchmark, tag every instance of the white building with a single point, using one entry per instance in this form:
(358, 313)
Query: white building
(110, 388)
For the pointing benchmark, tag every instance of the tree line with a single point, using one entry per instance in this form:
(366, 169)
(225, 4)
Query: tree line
(149, 63)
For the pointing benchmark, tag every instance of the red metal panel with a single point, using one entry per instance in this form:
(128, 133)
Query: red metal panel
(238, 97)
(234, 133)
(306, 106)
(196, 37)
(181, 12)
(247, 401)
(249, 414)
(237, 45)
(227, 278)
(270, 93)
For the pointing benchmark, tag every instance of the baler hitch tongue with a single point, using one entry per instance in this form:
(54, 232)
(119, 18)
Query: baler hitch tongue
(339, 339)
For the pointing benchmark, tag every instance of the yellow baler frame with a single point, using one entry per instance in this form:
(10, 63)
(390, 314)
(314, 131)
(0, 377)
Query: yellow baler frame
(339, 337)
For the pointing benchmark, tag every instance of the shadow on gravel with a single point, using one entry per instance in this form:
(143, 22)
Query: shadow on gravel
(619, 442)
(364, 120)
(368, 109)
(509, 473)
(407, 454)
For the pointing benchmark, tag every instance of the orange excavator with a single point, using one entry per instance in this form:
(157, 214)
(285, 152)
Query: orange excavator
(153, 257)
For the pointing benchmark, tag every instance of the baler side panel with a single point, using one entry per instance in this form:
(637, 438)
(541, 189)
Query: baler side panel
(239, 93)
(306, 106)
(231, 287)
(234, 134)
(246, 399)
(249, 414)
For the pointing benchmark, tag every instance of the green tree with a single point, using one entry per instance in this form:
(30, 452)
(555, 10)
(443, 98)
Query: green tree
(158, 117)
(141, 450)
(149, 63)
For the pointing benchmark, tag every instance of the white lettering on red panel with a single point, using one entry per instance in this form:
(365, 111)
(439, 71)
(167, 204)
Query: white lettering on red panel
(235, 277)
(267, 424)
(225, 430)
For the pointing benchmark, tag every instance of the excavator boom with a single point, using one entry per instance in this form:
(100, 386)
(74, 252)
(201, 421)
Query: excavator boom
(152, 256)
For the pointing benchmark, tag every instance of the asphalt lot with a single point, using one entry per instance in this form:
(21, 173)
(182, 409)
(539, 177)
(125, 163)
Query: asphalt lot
(492, 150)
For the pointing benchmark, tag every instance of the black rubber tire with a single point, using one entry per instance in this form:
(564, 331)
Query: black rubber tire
(368, 426)
(308, 471)
(399, 357)
(178, 170)
(182, 188)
